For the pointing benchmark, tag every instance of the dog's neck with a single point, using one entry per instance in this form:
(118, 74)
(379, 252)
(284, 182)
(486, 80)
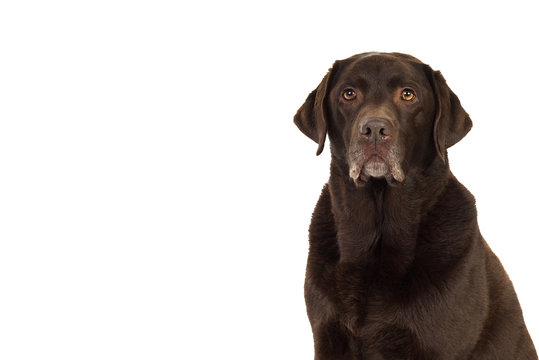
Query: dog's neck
(380, 222)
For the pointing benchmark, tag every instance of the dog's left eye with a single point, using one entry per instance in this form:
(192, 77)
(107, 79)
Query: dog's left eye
(407, 94)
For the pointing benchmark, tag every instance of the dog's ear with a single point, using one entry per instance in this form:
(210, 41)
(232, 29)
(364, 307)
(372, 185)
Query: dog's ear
(311, 117)
(451, 122)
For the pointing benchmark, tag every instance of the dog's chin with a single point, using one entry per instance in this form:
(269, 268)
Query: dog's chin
(378, 168)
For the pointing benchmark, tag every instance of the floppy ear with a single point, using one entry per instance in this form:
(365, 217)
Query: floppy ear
(451, 122)
(311, 116)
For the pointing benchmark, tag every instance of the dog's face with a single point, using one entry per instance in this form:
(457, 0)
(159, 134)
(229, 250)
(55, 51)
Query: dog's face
(385, 114)
(381, 111)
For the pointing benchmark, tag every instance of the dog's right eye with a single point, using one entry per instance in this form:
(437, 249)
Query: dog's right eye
(349, 94)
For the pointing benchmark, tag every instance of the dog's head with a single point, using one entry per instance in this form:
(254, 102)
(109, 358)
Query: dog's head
(384, 114)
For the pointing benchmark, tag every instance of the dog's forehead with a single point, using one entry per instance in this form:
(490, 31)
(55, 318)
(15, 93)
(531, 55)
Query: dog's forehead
(380, 65)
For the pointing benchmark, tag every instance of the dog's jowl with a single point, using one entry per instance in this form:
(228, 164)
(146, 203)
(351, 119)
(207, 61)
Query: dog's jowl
(397, 267)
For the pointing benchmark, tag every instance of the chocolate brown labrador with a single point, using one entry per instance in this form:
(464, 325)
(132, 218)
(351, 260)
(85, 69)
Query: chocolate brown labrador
(397, 267)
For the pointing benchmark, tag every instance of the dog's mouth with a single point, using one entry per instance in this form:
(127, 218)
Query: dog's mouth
(375, 165)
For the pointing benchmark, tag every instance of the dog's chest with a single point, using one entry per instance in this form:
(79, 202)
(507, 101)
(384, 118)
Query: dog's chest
(369, 317)
(352, 293)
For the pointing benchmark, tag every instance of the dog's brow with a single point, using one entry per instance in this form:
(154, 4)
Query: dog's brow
(400, 79)
(358, 81)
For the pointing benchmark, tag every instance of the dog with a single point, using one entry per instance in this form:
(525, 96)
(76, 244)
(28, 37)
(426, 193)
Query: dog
(397, 267)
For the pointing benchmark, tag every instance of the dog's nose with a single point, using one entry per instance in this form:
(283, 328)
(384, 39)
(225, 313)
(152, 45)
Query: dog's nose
(376, 129)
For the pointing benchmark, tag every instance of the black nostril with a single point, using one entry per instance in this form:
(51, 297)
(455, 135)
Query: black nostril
(376, 128)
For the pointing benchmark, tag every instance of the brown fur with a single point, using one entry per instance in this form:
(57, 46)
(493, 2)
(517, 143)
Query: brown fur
(397, 267)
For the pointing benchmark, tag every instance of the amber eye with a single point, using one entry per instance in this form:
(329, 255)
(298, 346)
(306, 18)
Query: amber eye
(408, 94)
(349, 94)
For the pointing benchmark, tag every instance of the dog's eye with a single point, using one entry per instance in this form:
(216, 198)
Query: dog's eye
(349, 94)
(407, 94)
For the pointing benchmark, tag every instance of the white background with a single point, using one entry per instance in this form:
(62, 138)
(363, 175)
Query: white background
(155, 195)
